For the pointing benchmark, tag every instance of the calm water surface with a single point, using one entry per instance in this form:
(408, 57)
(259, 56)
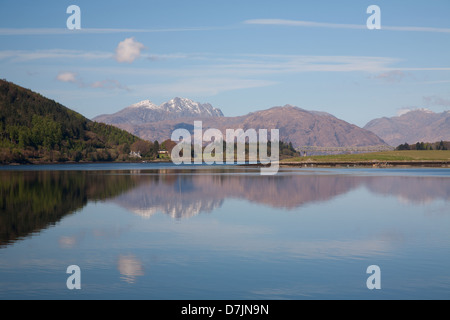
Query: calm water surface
(146, 231)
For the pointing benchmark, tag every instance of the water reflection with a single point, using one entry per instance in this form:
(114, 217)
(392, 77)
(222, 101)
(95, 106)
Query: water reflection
(32, 201)
(184, 196)
(130, 268)
(67, 242)
(414, 190)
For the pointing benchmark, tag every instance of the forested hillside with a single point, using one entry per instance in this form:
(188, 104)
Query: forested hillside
(36, 129)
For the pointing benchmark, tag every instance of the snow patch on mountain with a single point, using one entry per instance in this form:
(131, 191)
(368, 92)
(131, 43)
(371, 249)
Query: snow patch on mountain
(144, 104)
(404, 111)
(181, 105)
(147, 112)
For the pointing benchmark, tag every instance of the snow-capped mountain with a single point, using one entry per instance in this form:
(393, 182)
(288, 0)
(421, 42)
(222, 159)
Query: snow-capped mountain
(187, 107)
(146, 112)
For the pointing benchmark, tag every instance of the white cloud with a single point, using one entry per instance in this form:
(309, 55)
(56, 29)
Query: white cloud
(67, 77)
(128, 50)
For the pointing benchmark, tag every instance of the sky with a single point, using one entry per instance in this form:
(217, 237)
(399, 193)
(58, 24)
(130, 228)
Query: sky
(240, 56)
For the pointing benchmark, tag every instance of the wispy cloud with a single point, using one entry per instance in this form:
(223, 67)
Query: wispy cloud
(228, 73)
(212, 73)
(279, 22)
(159, 57)
(393, 76)
(245, 65)
(299, 63)
(71, 77)
(23, 56)
(312, 24)
(65, 31)
(109, 84)
(425, 69)
(436, 101)
(240, 65)
(32, 31)
(200, 86)
(53, 54)
(436, 82)
(300, 23)
(417, 29)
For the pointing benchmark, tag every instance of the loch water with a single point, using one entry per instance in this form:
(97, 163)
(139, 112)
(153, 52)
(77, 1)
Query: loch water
(163, 232)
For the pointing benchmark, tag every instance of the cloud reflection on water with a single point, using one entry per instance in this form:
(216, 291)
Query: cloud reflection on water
(130, 268)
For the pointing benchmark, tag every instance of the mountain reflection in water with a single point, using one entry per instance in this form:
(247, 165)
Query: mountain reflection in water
(34, 200)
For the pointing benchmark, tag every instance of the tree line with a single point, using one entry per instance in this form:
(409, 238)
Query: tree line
(286, 149)
(442, 145)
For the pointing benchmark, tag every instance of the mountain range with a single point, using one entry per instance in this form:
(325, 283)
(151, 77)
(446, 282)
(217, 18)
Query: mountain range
(36, 129)
(296, 125)
(420, 125)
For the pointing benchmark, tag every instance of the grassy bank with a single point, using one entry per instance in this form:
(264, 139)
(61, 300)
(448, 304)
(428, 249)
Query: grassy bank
(387, 156)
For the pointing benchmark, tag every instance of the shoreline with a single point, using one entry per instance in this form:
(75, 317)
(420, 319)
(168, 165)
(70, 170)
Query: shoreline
(44, 163)
(365, 164)
(286, 164)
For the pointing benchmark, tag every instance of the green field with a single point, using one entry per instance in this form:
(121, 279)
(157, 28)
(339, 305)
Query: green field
(407, 155)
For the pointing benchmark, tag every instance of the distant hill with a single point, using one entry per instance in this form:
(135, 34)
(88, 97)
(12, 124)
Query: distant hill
(36, 129)
(146, 111)
(419, 125)
(296, 125)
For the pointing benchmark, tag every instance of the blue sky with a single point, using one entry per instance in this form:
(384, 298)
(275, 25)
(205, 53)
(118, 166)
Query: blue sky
(240, 56)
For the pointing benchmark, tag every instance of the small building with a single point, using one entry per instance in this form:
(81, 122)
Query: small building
(135, 154)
